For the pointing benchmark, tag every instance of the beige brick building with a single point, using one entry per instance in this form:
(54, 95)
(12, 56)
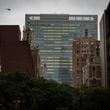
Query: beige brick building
(92, 72)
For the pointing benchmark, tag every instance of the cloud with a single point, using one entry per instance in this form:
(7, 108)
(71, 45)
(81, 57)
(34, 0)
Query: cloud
(21, 7)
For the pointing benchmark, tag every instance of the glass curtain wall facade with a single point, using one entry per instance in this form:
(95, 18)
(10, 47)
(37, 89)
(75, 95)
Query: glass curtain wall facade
(54, 34)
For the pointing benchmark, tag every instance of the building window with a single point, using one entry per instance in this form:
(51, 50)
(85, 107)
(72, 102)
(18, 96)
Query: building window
(78, 72)
(77, 51)
(94, 81)
(93, 68)
(77, 64)
(90, 74)
(90, 71)
(85, 46)
(91, 18)
(71, 17)
(91, 51)
(34, 17)
(79, 18)
(91, 60)
(93, 74)
(85, 54)
(97, 51)
(77, 59)
(98, 73)
(86, 18)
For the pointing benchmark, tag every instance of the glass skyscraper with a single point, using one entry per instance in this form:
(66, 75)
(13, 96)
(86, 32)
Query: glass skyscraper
(54, 34)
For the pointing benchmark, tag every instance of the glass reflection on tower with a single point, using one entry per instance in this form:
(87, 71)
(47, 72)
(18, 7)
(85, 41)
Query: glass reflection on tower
(54, 34)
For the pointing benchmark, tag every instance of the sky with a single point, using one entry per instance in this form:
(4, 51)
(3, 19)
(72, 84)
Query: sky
(21, 7)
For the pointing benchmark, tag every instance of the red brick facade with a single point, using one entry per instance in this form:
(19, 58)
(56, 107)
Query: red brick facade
(15, 54)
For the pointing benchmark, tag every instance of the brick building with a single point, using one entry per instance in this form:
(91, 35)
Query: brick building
(92, 72)
(15, 54)
(83, 48)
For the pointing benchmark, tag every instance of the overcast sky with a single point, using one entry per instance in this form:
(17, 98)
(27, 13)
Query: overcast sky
(21, 7)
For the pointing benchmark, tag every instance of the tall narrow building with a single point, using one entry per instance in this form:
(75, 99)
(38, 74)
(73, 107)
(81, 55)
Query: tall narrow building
(83, 48)
(105, 47)
(54, 34)
(27, 36)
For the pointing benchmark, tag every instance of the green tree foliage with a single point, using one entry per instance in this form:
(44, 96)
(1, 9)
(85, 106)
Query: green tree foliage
(20, 91)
